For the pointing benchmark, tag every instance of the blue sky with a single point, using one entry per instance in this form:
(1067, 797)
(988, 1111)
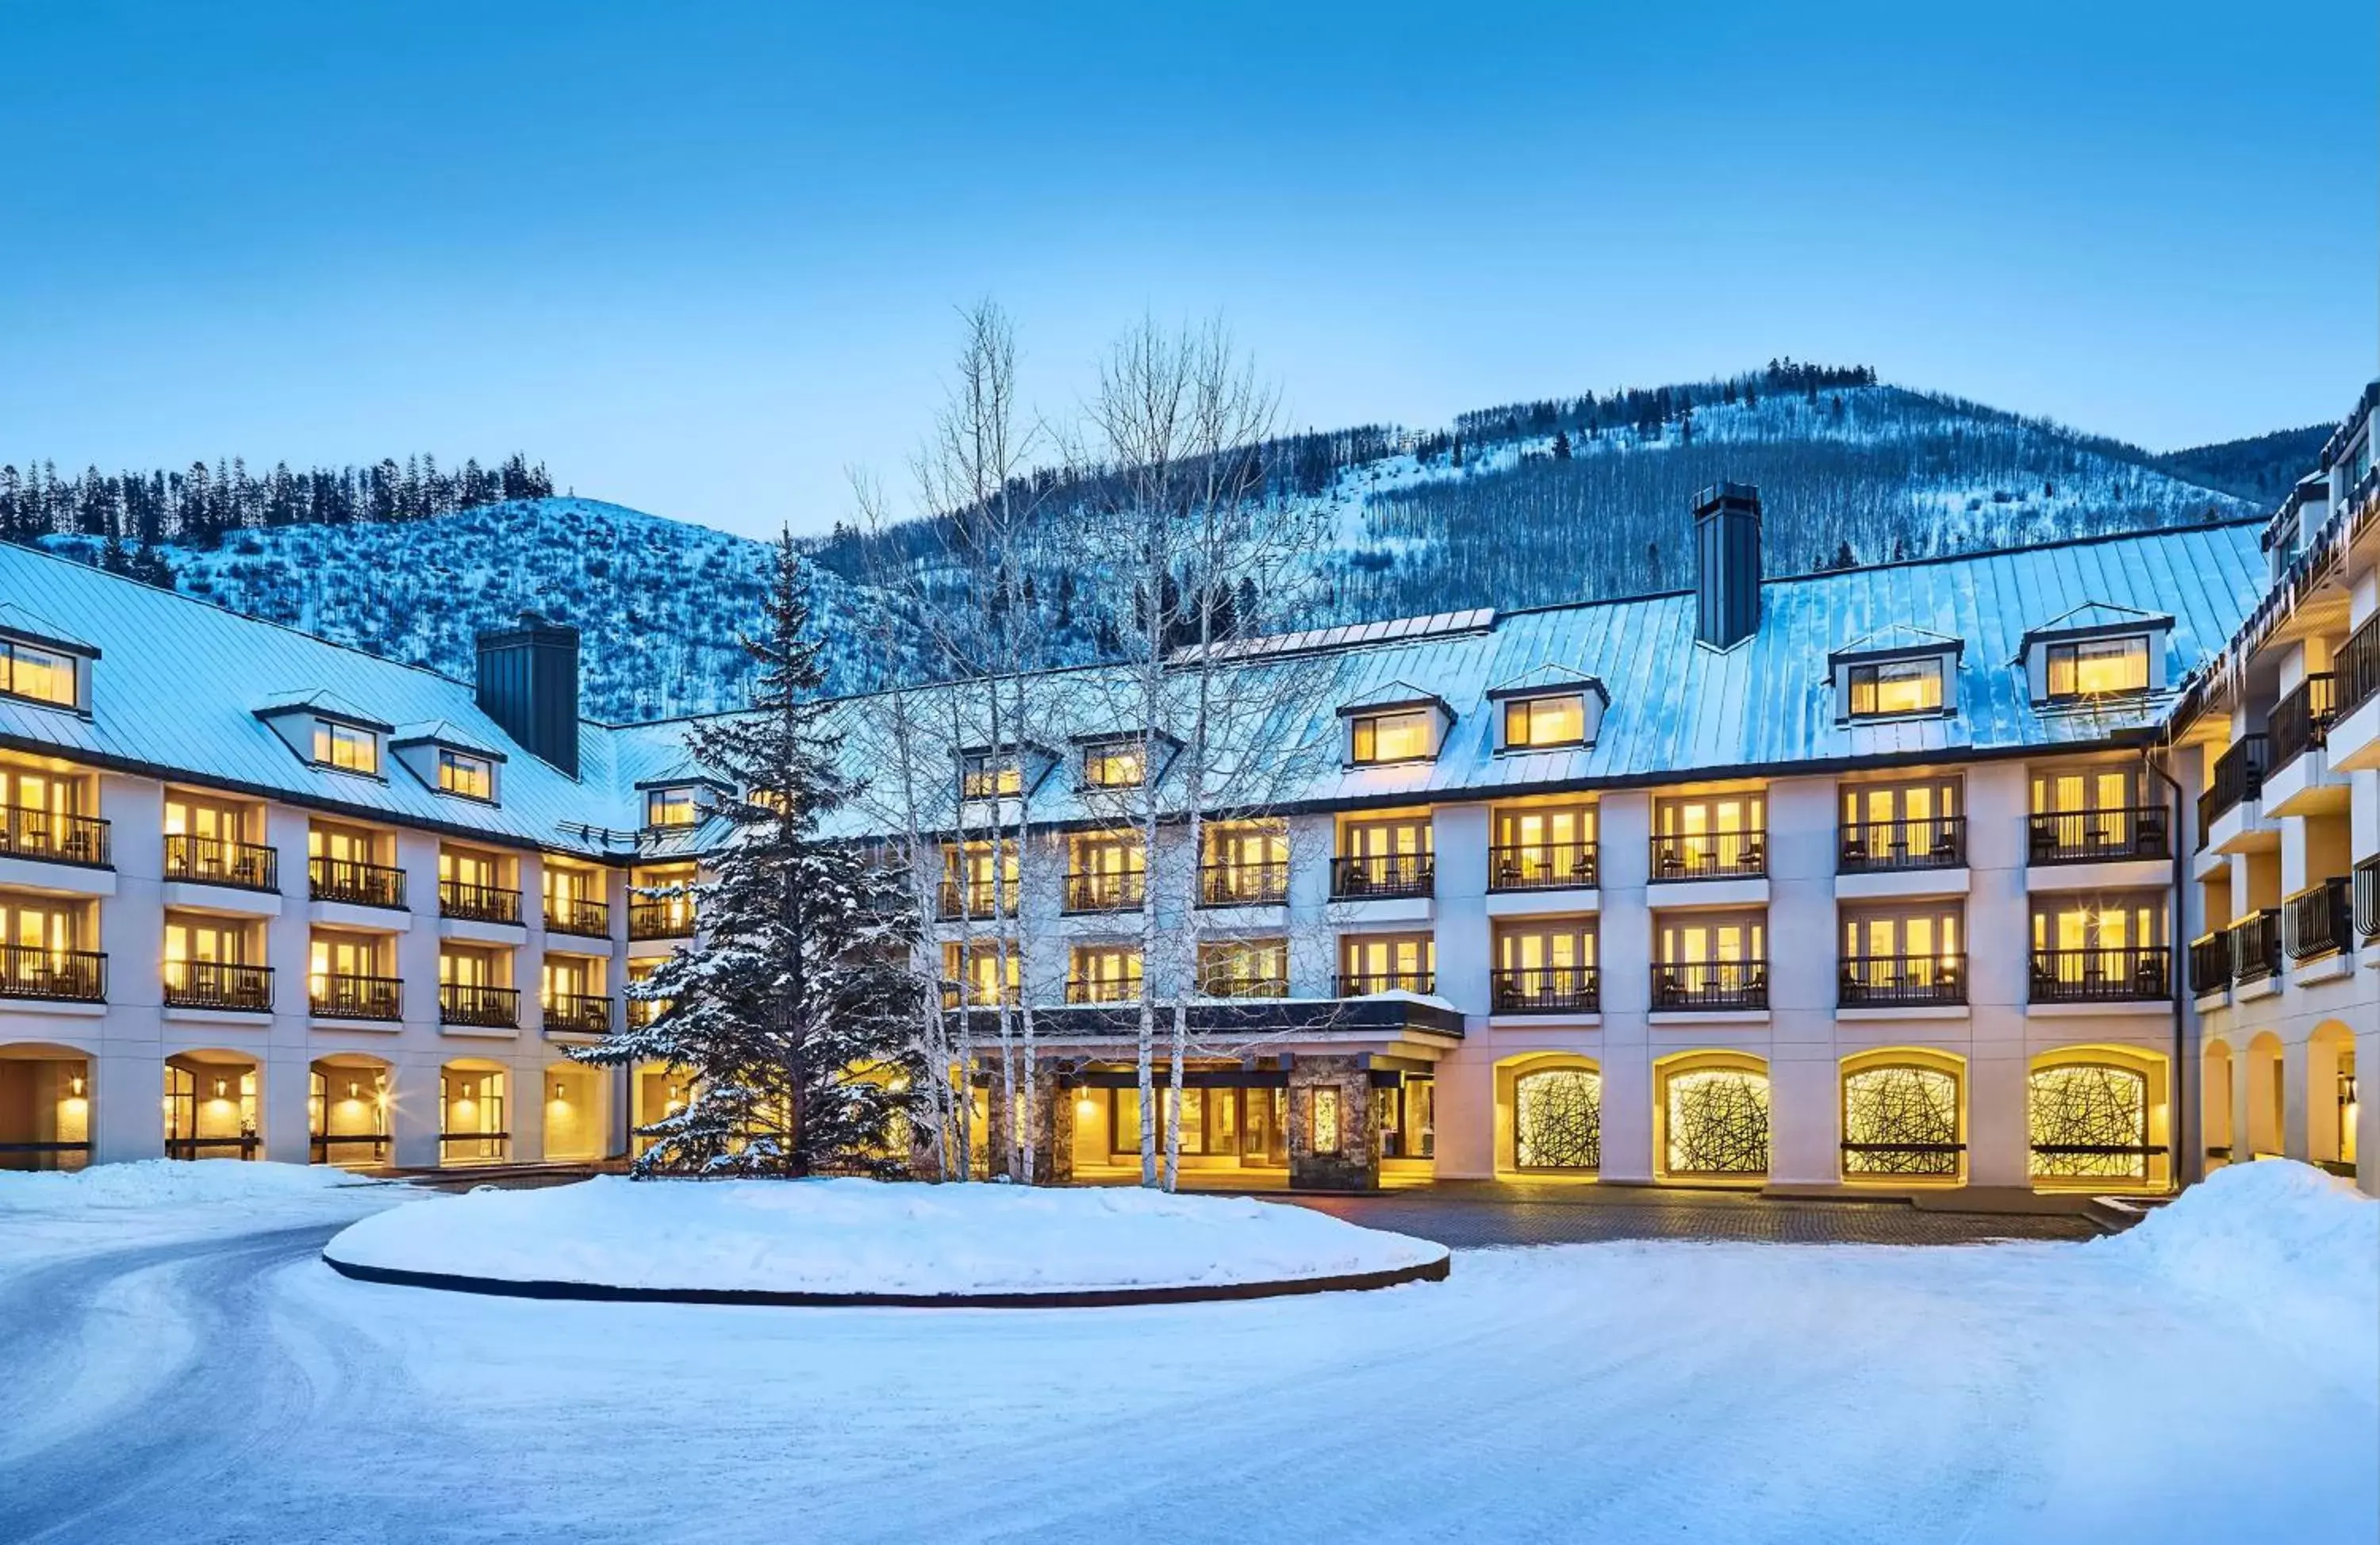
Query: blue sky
(704, 257)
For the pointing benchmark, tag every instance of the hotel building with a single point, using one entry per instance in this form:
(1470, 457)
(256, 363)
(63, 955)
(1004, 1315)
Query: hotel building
(2051, 868)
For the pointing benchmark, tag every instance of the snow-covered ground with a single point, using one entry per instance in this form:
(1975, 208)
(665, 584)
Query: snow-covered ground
(866, 1236)
(2191, 1382)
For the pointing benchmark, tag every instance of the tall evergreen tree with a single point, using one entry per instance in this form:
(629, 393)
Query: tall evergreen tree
(793, 1015)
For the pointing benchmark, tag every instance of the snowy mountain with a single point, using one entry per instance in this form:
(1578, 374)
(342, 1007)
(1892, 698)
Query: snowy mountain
(1537, 502)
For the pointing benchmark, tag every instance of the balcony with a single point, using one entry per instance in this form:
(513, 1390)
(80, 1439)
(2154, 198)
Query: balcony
(2255, 946)
(1718, 855)
(1103, 989)
(2239, 778)
(2114, 835)
(2319, 920)
(570, 914)
(974, 898)
(1216, 984)
(1710, 984)
(355, 997)
(53, 975)
(218, 984)
(2141, 973)
(1546, 990)
(1383, 876)
(2210, 964)
(1243, 885)
(1099, 891)
(1542, 866)
(476, 1004)
(1903, 982)
(1892, 847)
(479, 903)
(216, 861)
(2354, 734)
(53, 839)
(2366, 880)
(350, 880)
(2300, 719)
(642, 1011)
(579, 1014)
(666, 917)
(1365, 984)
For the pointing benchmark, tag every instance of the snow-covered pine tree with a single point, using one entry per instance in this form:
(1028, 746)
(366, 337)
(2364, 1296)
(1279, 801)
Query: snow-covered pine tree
(792, 1016)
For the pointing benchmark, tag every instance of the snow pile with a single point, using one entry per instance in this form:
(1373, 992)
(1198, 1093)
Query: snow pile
(2280, 1241)
(163, 1183)
(847, 1236)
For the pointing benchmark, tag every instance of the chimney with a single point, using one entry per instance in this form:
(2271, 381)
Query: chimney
(529, 684)
(1727, 564)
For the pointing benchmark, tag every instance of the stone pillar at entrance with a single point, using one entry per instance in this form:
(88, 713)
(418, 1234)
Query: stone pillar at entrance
(1327, 1093)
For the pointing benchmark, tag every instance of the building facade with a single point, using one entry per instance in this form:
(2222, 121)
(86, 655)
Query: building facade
(1884, 877)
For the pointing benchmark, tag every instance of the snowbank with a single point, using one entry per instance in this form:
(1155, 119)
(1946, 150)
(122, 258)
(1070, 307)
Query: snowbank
(2279, 1241)
(845, 1236)
(164, 1183)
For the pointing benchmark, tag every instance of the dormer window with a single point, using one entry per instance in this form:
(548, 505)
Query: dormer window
(1537, 722)
(465, 775)
(38, 675)
(347, 747)
(1115, 765)
(1397, 737)
(2099, 666)
(2095, 652)
(674, 806)
(987, 775)
(1898, 672)
(1889, 688)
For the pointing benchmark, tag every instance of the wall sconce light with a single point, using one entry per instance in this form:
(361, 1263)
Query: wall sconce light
(222, 1089)
(560, 1094)
(74, 1086)
(355, 1090)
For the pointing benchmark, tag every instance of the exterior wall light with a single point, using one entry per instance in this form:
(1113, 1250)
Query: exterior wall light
(74, 1086)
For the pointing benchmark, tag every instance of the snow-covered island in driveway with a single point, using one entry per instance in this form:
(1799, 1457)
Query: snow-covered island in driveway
(848, 1240)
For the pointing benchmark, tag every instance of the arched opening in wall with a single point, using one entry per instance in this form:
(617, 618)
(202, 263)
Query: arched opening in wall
(474, 1112)
(2215, 1094)
(1710, 1116)
(1553, 1108)
(2098, 1119)
(2331, 1098)
(44, 1107)
(574, 1112)
(657, 1092)
(213, 1105)
(1905, 1117)
(2268, 1098)
(347, 1111)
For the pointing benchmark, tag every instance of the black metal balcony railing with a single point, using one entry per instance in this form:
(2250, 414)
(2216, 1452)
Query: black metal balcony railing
(219, 984)
(356, 997)
(2098, 836)
(2239, 777)
(1711, 985)
(1224, 984)
(977, 899)
(1715, 855)
(2367, 898)
(579, 1014)
(957, 995)
(664, 917)
(1541, 866)
(478, 903)
(1106, 890)
(58, 975)
(2255, 945)
(2210, 964)
(570, 914)
(2299, 720)
(475, 1003)
(1546, 990)
(2140, 973)
(1903, 981)
(1364, 984)
(218, 861)
(2358, 667)
(40, 834)
(2319, 920)
(1375, 876)
(347, 880)
(1244, 884)
(642, 1011)
(1883, 846)
(1102, 989)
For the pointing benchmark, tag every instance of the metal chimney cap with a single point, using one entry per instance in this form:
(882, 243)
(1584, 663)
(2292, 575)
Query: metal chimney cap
(1744, 497)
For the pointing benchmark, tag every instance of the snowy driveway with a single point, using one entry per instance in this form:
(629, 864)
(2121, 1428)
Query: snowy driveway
(225, 1386)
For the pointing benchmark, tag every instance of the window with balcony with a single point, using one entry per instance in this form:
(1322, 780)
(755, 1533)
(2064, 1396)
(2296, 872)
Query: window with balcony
(982, 975)
(207, 840)
(465, 775)
(1246, 863)
(347, 747)
(2092, 813)
(2093, 948)
(1372, 963)
(1891, 689)
(574, 900)
(211, 962)
(662, 904)
(980, 879)
(1545, 966)
(42, 953)
(990, 775)
(1384, 857)
(2098, 667)
(348, 977)
(570, 995)
(1903, 957)
(41, 816)
(639, 1011)
(1716, 961)
(1532, 723)
(1105, 873)
(1710, 837)
(343, 864)
(1244, 968)
(1890, 827)
(1540, 848)
(1114, 765)
(38, 674)
(1104, 974)
(672, 808)
(472, 989)
(1401, 736)
(471, 885)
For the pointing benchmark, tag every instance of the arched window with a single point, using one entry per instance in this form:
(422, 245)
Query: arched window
(2089, 1120)
(1718, 1121)
(1899, 1118)
(1558, 1119)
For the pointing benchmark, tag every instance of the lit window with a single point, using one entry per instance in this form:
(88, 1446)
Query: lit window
(1112, 766)
(1545, 721)
(669, 807)
(2097, 666)
(346, 747)
(42, 675)
(987, 777)
(1402, 737)
(1889, 687)
(474, 778)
